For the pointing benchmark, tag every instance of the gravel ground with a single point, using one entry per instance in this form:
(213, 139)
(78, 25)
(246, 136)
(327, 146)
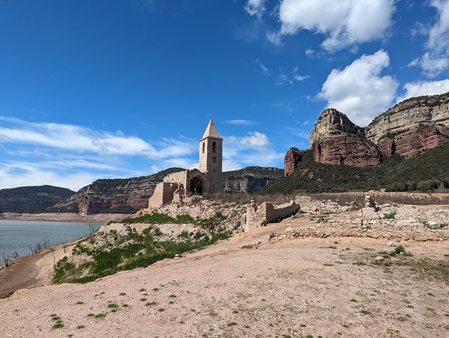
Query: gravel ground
(245, 287)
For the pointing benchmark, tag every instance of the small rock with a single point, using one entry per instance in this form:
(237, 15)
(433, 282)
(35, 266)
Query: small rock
(379, 259)
(392, 244)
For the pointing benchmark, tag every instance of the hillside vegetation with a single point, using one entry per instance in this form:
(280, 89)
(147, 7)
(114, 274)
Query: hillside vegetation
(31, 199)
(427, 173)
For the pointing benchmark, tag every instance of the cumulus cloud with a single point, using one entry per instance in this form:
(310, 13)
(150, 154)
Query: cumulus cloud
(439, 33)
(255, 148)
(422, 88)
(256, 139)
(436, 58)
(342, 22)
(359, 90)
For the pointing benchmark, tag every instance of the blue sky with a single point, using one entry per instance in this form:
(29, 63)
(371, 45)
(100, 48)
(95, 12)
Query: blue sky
(95, 89)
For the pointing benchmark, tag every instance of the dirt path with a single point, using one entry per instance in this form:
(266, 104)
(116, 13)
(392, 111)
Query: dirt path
(246, 287)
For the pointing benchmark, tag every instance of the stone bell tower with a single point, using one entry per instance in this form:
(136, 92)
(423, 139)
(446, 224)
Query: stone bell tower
(211, 157)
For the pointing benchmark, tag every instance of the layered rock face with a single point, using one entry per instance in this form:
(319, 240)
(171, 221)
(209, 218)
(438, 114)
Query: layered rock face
(249, 180)
(412, 126)
(407, 129)
(291, 160)
(336, 140)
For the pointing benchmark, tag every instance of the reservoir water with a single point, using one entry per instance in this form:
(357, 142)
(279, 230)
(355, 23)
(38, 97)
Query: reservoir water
(20, 236)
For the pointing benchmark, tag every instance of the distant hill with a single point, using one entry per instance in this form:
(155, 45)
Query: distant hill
(426, 172)
(124, 195)
(32, 199)
(129, 195)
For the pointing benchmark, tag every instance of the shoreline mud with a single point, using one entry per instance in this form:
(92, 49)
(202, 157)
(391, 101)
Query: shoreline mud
(63, 217)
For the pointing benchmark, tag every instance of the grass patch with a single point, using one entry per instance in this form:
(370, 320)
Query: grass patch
(58, 323)
(151, 303)
(135, 250)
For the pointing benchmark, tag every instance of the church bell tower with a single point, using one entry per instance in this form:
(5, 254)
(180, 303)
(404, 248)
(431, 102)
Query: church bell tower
(211, 157)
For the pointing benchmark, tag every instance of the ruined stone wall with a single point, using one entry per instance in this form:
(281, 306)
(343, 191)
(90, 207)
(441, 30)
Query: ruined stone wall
(163, 194)
(257, 216)
(178, 177)
(277, 213)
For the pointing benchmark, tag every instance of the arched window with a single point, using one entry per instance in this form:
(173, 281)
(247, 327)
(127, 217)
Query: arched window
(214, 147)
(204, 146)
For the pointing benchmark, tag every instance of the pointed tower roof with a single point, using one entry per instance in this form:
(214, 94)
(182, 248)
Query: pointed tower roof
(211, 130)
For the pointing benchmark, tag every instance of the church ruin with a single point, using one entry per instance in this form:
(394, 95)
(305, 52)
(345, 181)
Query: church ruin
(179, 187)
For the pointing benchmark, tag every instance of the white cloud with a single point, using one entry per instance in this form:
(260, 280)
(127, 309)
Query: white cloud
(70, 137)
(255, 8)
(432, 64)
(290, 78)
(255, 139)
(344, 22)
(282, 77)
(439, 33)
(241, 122)
(359, 90)
(422, 88)
(35, 175)
(72, 156)
(263, 68)
(81, 139)
(436, 58)
(253, 149)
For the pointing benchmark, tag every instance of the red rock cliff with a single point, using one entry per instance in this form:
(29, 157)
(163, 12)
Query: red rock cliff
(336, 140)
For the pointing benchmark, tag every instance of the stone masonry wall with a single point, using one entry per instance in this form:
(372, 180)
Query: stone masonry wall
(257, 216)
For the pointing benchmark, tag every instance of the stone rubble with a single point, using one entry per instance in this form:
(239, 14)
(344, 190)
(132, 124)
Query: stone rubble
(393, 223)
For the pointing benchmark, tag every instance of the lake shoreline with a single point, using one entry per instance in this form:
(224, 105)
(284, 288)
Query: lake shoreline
(63, 217)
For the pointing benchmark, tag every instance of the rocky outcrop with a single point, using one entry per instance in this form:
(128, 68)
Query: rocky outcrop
(407, 129)
(249, 180)
(336, 140)
(411, 126)
(291, 160)
(115, 195)
(433, 110)
(414, 141)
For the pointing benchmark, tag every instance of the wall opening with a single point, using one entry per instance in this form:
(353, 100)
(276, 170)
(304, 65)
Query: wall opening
(204, 147)
(214, 147)
(196, 186)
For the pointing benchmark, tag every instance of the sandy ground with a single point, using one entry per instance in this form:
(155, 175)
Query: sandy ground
(300, 288)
